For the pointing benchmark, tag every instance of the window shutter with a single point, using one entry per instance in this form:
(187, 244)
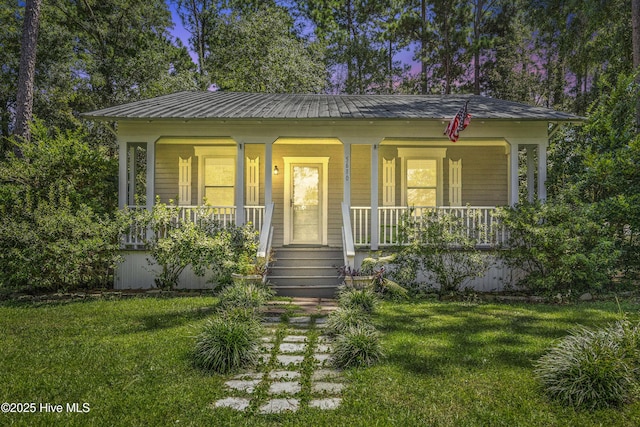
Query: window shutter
(184, 182)
(389, 182)
(253, 181)
(455, 183)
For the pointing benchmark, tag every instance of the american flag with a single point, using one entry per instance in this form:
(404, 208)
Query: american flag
(458, 123)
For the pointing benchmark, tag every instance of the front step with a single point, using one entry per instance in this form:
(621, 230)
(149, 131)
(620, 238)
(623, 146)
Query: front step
(306, 271)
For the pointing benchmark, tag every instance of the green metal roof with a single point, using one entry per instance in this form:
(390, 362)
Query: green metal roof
(234, 105)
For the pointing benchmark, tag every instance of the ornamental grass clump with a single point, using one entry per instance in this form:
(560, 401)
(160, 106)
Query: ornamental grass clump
(357, 346)
(342, 319)
(245, 295)
(360, 299)
(593, 368)
(226, 346)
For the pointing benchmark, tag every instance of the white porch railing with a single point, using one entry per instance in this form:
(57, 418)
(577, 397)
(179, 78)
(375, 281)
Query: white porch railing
(225, 215)
(479, 220)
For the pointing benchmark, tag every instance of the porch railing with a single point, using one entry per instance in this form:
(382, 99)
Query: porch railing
(480, 223)
(225, 215)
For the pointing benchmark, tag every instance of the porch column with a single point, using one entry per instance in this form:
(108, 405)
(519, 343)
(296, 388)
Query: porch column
(122, 174)
(268, 173)
(151, 174)
(375, 226)
(531, 180)
(513, 174)
(131, 200)
(542, 171)
(239, 188)
(346, 197)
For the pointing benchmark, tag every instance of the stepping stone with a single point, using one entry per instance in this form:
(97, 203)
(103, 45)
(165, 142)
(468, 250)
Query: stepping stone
(287, 360)
(267, 347)
(267, 339)
(322, 374)
(284, 375)
(249, 375)
(241, 385)
(324, 338)
(321, 321)
(237, 403)
(327, 387)
(295, 338)
(323, 348)
(276, 406)
(322, 357)
(265, 357)
(300, 320)
(287, 387)
(330, 403)
(271, 319)
(292, 348)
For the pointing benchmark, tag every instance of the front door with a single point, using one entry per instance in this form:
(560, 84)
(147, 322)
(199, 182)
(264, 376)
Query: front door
(306, 198)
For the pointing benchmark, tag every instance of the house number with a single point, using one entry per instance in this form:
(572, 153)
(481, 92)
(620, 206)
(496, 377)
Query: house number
(346, 168)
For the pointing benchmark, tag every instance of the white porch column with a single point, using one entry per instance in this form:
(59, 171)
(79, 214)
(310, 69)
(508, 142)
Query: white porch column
(542, 171)
(513, 174)
(122, 174)
(346, 197)
(268, 173)
(132, 175)
(151, 174)
(239, 188)
(531, 181)
(375, 226)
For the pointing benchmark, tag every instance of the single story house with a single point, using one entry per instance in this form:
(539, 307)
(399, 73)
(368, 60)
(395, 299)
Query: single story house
(325, 178)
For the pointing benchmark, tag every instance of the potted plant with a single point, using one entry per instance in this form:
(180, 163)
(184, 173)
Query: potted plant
(353, 277)
(250, 269)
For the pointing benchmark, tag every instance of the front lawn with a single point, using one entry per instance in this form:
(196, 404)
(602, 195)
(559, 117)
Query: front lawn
(447, 364)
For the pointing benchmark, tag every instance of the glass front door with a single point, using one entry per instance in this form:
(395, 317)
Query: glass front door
(306, 204)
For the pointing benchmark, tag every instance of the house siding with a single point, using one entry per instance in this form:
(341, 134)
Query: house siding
(166, 180)
(360, 177)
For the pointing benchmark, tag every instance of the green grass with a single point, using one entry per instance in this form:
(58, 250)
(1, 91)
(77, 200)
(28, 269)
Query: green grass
(447, 364)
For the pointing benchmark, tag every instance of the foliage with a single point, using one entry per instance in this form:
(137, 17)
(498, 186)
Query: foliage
(593, 368)
(382, 284)
(443, 248)
(206, 245)
(245, 295)
(226, 346)
(259, 51)
(344, 318)
(357, 346)
(364, 299)
(54, 229)
(560, 246)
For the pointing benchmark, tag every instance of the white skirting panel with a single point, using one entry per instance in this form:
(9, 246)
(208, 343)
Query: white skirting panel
(136, 273)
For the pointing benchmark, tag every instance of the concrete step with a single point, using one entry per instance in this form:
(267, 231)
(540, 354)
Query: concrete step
(305, 291)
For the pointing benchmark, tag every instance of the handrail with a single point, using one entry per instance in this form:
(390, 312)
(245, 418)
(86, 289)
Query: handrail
(266, 234)
(348, 248)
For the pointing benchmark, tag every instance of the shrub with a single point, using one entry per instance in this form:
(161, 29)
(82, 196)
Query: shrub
(593, 368)
(245, 295)
(344, 318)
(357, 346)
(226, 346)
(359, 299)
(561, 246)
(443, 248)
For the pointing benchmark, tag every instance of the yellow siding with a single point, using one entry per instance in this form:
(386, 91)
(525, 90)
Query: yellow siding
(360, 175)
(166, 184)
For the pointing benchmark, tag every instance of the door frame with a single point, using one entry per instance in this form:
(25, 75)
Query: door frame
(324, 198)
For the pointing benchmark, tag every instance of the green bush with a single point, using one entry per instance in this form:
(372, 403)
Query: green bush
(227, 345)
(245, 295)
(358, 299)
(357, 346)
(593, 368)
(560, 246)
(342, 319)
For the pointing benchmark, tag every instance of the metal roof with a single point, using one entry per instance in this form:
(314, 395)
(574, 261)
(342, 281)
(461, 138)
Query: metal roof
(234, 105)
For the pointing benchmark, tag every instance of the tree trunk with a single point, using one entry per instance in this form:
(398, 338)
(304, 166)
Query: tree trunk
(26, 74)
(635, 38)
(423, 47)
(476, 48)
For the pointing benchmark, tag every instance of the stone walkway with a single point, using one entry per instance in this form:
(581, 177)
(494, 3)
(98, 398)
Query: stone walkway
(294, 371)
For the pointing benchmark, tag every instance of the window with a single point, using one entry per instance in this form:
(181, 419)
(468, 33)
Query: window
(422, 175)
(219, 180)
(422, 182)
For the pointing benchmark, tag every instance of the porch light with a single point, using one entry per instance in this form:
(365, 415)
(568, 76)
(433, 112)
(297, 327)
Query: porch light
(275, 170)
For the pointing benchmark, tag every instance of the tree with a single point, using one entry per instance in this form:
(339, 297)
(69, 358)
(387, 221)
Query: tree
(260, 52)
(635, 36)
(198, 18)
(24, 97)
